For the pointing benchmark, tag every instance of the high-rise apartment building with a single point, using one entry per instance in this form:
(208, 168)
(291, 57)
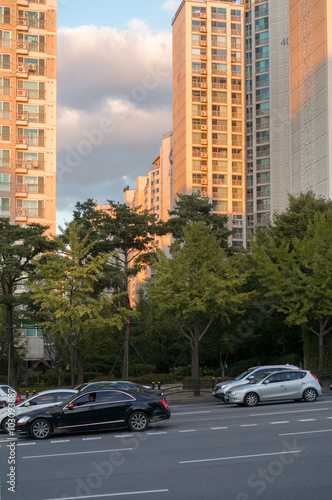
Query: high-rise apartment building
(209, 106)
(267, 109)
(28, 111)
(311, 96)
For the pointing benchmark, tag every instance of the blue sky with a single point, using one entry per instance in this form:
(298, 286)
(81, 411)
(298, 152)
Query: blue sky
(114, 67)
(73, 13)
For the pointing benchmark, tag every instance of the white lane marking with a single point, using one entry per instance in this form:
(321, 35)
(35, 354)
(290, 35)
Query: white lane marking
(156, 433)
(124, 436)
(62, 441)
(307, 420)
(248, 425)
(329, 417)
(217, 428)
(282, 412)
(77, 453)
(237, 457)
(281, 422)
(108, 495)
(91, 439)
(305, 432)
(189, 430)
(190, 413)
(25, 444)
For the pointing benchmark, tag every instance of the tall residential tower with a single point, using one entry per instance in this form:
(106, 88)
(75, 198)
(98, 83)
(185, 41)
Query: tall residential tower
(28, 111)
(208, 106)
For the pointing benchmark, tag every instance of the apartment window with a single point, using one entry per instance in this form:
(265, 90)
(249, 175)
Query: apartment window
(219, 55)
(31, 160)
(263, 191)
(219, 192)
(4, 110)
(34, 208)
(219, 178)
(263, 94)
(4, 86)
(261, 24)
(197, 178)
(5, 15)
(4, 158)
(262, 38)
(33, 331)
(219, 83)
(31, 112)
(261, 10)
(4, 61)
(263, 177)
(263, 80)
(263, 122)
(263, 164)
(36, 43)
(4, 182)
(219, 41)
(262, 52)
(36, 66)
(33, 137)
(219, 69)
(219, 165)
(4, 133)
(237, 206)
(263, 137)
(264, 204)
(34, 90)
(218, 27)
(32, 184)
(217, 13)
(5, 37)
(34, 19)
(219, 206)
(262, 66)
(263, 108)
(263, 150)
(235, 29)
(237, 193)
(4, 207)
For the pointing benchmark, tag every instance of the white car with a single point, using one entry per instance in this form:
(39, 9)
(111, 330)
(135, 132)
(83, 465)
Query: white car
(278, 386)
(40, 400)
(245, 377)
(5, 391)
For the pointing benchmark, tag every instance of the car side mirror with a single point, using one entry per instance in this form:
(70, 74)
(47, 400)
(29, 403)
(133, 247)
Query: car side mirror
(70, 407)
(251, 377)
(266, 382)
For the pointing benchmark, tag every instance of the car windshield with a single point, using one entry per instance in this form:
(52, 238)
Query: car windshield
(244, 374)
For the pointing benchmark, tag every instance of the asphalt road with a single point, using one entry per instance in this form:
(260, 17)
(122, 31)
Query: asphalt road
(206, 451)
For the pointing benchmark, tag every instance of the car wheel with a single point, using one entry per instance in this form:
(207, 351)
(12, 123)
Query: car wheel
(138, 421)
(4, 425)
(40, 429)
(251, 399)
(310, 395)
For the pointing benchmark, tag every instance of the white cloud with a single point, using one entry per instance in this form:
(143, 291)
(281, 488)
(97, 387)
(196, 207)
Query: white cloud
(171, 6)
(114, 105)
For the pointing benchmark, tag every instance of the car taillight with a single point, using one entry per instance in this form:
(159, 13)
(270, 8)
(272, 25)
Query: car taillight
(17, 398)
(315, 377)
(164, 403)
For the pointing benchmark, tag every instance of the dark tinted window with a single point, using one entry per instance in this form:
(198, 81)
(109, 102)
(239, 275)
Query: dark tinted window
(276, 377)
(60, 396)
(42, 400)
(85, 399)
(113, 396)
(295, 375)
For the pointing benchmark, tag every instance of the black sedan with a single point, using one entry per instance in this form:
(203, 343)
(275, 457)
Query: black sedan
(97, 410)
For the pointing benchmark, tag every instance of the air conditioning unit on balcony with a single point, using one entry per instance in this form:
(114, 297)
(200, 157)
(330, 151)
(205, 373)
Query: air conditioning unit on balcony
(203, 15)
(20, 92)
(20, 141)
(204, 181)
(203, 113)
(21, 165)
(203, 85)
(32, 67)
(203, 71)
(203, 99)
(21, 69)
(21, 22)
(21, 117)
(204, 155)
(204, 168)
(203, 141)
(203, 56)
(203, 127)
(203, 42)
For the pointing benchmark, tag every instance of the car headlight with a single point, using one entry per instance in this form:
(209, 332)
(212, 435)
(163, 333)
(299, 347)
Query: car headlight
(233, 393)
(22, 420)
(224, 385)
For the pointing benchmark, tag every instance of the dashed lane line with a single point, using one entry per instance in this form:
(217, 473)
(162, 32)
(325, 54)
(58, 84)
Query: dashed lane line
(238, 457)
(78, 453)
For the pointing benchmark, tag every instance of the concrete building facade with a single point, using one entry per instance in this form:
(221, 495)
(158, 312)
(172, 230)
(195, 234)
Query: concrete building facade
(28, 111)
(267, 110)
(310, 47)
(209, 106)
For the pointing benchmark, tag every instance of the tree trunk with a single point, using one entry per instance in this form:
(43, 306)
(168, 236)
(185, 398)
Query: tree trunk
(125, 366)
(12, 376)
(72, 361)
(321, 349)
(195, 364)
(80, 367)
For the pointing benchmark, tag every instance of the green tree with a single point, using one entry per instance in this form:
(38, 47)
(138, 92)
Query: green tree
(19, 245)
(197, 285)
(299, 273)
(130, 233)
(64, 290)
(194, 208)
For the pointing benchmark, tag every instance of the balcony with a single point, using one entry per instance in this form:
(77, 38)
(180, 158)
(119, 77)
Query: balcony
(21, 215)
(22, 48)
(21, 190)
(24, 3)
(22, 95)
(22, 142)
(21, 167)
(23, 24)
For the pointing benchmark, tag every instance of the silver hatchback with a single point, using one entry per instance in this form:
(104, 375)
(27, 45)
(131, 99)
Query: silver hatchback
(277, 386)
(245, 377)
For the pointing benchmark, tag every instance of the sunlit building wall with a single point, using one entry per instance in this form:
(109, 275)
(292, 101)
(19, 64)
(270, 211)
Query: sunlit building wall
(28, 111)
(209, 107)
(311, 95)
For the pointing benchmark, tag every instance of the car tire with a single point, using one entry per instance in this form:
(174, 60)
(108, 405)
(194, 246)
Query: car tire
(251, 399)
(310, 395)
(40, 429)
(138, 421)
(4, 425)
